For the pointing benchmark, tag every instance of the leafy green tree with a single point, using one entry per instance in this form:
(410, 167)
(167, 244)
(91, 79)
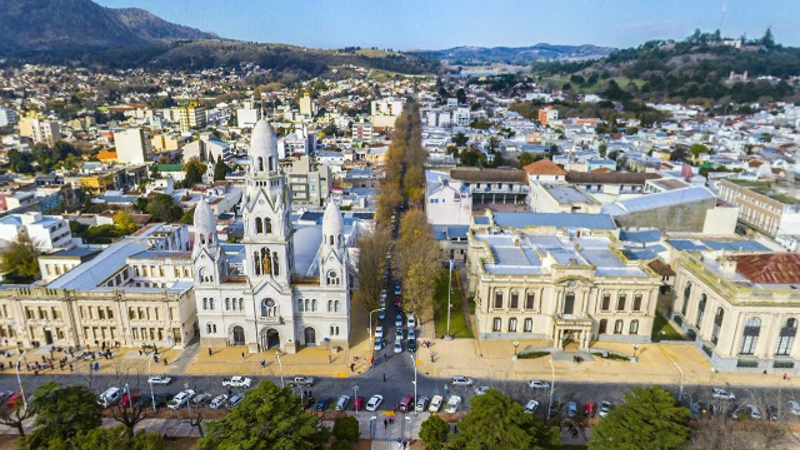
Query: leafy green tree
(220, 170)
(267, 418)
(434, 431)
(20, 260)
(124, 223)
(460, 139)
(63, 412)
(140, 204)
(115, 438)
(602, 149)
(553, 151)
(346, 430)
(696, 150)
(164, 209)
(650, 419)
(194, 171)
(461, 96)
(19, 162)
(525, 158)
(495, 422)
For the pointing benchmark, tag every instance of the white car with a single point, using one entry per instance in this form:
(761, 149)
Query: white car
(460, 380)
(111, 396)
(531, 407)
(539, 384)
(452, 404)
(201, 398)
(218, 401)
(747, 411)
(398, 347)
(379, 344)
(235, 400)
(411, 322)
(412, 334)
(422, 404)
(237, 381)
(794, 407)
(723, 394)
(341, 405)
(605, 407)
(378, 332)
(374, 402)
(159, 379)
(436, 404)
(480, 390)
(398, 334)
(181, 399)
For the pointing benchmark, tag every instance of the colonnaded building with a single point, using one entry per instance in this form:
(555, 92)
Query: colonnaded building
(558, 277)
(293, 288)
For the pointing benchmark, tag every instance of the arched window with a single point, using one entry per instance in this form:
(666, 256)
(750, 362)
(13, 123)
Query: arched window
(330, 305)
(497, 324)
(512, 325)
(270, 164)
(498, 300)
(259, 226)
(687, 292)
(332, 278)
(306, 305)
(786, 338)
(205, 303)
(701, 309)
(752, 328)
(208, 328)
(260, 164)
(336, 306)
(276, 268)
(603, 327)
(719, 317)
(634, 327)
(528, 325)
(227, 304)
(618, 326)
(313, 304)
(267, 225)
(211, 303)
(241, 304)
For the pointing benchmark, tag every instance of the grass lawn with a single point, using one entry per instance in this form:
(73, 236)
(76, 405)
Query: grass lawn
(663, 331)
(458, 323)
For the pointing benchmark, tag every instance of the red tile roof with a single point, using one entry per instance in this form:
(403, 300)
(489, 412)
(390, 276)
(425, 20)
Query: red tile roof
(770, 268)
(544, 167)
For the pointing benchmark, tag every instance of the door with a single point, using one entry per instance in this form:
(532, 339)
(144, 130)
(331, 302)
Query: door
(273, 338)
(48, 337)
(569, 303)
(238, 336)
(311, 337)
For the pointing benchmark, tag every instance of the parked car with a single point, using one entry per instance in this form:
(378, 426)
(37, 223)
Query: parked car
(723, 394)
(181, 399)
(237, 381)
(531, 407)
(411, 322)
(382, 312)
(398, 347)
(200, 399)
(772, 412)
(322, 404)
(146, 401)
(589, 409)
(379, 344)
(378, 332)
(539, 384)
(572, 410)
(480, 390)
(159, 379)
(747, 411)
(374, 402)
(398, 334)
(460, 380)
(605, 407)
(436, 404)
(341, 404)
(412, 334)
(793, 407)
(218, 401)
(235, 399)
(358, 404)
(422, 404)
(130, 399)
(397, 290)
(398, 320)
(412, 345)
(406, 403)
(110, 396)
(453, 404)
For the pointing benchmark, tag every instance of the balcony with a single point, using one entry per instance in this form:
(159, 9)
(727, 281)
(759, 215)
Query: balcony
(572, 320)
(270, 320)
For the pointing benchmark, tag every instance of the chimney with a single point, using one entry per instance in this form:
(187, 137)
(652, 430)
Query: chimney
(728, 265)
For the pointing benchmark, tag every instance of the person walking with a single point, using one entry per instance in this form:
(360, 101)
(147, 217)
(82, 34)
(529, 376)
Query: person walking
(385, 423)
(330, 359)
(384, 378)
(209, 351)
(242, 356)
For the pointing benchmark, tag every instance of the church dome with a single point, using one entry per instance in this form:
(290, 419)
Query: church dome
(205, 222)
(263, 148)
(332, 223)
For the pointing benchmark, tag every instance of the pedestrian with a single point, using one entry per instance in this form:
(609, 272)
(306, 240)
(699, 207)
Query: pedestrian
(385, 423)
(384, 357)
(165, 361)
(209, 351)
(352, 367)
(330, 359)
(70, 367)
(384, 378)
(784, 376)
(242, 355)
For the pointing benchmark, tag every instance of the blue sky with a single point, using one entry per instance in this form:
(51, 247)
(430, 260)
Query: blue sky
(439, 24)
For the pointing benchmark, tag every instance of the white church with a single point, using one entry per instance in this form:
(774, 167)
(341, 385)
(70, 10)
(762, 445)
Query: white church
(289, 287)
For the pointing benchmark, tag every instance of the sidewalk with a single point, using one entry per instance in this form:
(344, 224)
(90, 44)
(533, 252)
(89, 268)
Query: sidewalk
(659, 363)
(123, 361)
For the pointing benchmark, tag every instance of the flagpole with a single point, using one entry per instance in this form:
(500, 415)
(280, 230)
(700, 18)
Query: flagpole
(449, 289)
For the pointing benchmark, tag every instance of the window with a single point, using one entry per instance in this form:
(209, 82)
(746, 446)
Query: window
(332, 278)
(618, 326)
(334, 330)
(498, 300)
(687, 292)
(101, 314)
(514, 303)
(330, 305)
(205, 304)
(529, 300)
(528, 326)
(211, 303)
(606, 302)
(621, 302)
(603, 326)
(497, 323)
(336, 306)
(227, 304)
(718, 318)
(313, 304)
(701, 309)
(569, 303)
(752, 328)
(512, 325)
(786, 338)
(241, 304)
(634, 328)
(637, 302)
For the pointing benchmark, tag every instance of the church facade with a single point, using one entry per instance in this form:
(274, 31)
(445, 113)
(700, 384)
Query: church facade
(294, 288)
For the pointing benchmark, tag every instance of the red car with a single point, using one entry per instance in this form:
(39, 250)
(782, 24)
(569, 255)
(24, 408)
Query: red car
(126, 400)
(589, 409)
(358, 404)
(14, 401)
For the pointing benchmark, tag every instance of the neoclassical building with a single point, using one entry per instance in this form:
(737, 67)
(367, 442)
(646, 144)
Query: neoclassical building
(568, 286)
(742, 310)
(294, 286)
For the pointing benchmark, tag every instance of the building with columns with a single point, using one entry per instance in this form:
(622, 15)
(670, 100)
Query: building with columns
(741, 309)
(571, 286)
(293, 289)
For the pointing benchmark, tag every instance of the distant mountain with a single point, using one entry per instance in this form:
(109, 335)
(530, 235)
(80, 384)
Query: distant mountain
(36, 26)
(516, 55)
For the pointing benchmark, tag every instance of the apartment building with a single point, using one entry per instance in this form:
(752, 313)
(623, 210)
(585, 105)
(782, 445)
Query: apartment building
(762, 207)
(132, 146)
(47, 232)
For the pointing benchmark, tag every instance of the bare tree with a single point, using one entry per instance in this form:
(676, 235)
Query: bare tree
(16, 416)
(417, 261)
(193, 417)
(129, 413)
(372, 249)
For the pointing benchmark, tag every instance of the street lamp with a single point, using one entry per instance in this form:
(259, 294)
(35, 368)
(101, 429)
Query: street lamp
(552, 386)
(414, 361)
(680, 392)
(516, 344)
(355, 399)
(150, 382)
(369, 327)
(635, 349)
(280, 366)
(19, 381)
